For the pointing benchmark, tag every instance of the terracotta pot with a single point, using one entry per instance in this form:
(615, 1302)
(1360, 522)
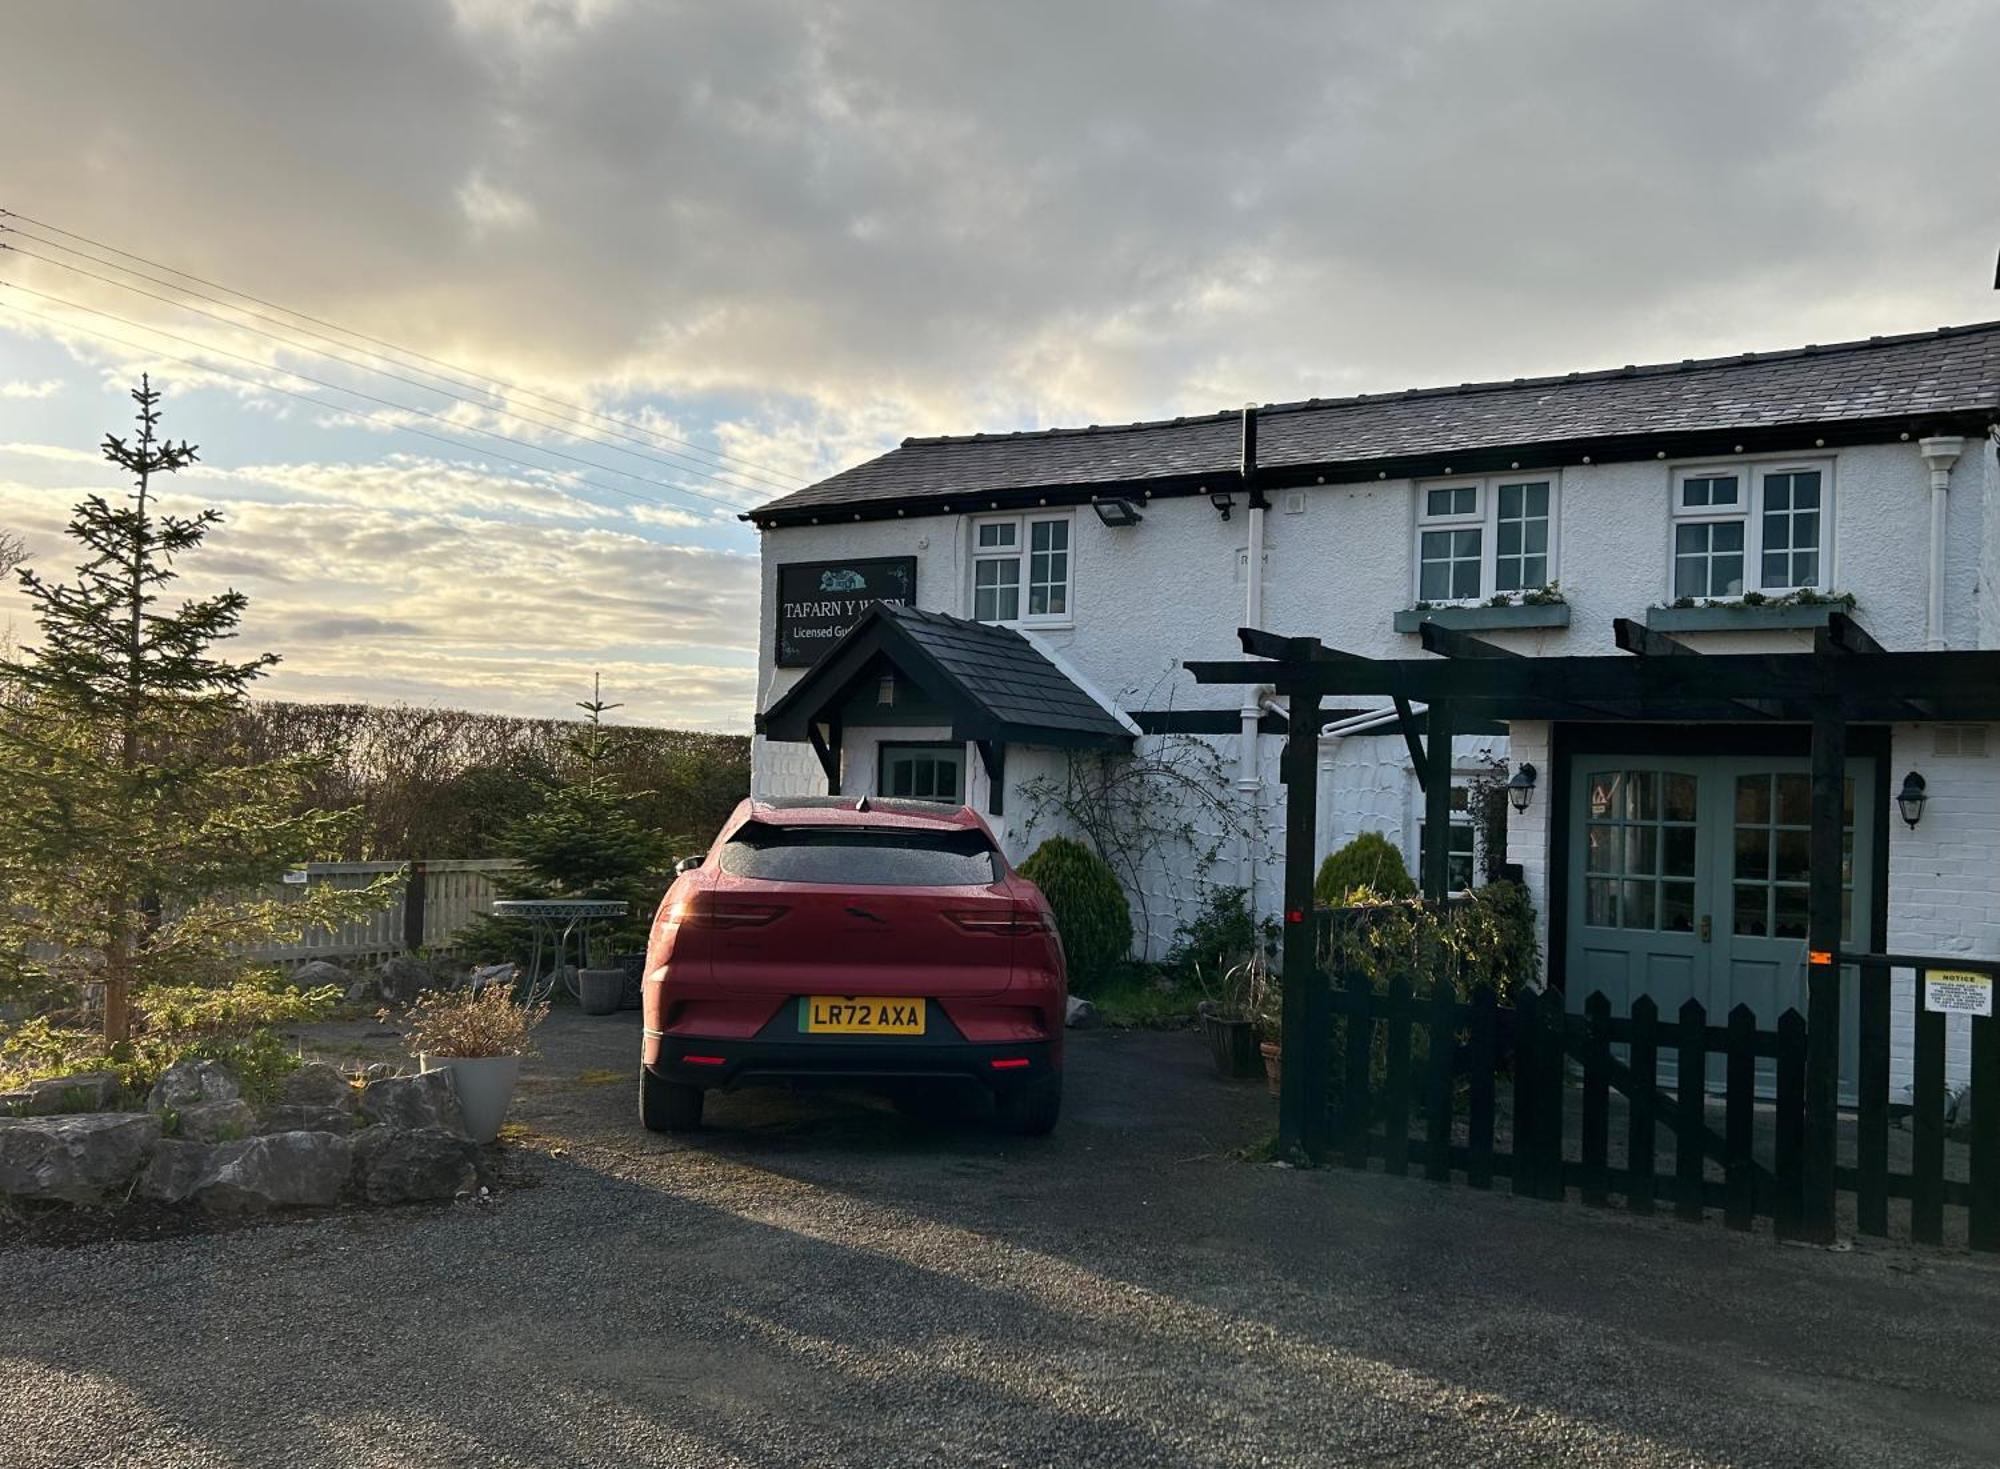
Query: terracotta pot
(1274, 1064)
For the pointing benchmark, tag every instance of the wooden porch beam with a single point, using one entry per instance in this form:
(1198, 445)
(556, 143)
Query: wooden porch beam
(1449, 642)
(1842, 636)
(993, 755)
(826, 744)
(1635, 637)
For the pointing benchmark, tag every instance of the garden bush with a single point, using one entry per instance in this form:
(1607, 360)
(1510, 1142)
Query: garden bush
(1092, 916)
(1220, 936)
(1370, 861)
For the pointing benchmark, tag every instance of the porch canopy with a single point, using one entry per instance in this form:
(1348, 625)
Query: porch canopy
(990, 685)
(1846, 678)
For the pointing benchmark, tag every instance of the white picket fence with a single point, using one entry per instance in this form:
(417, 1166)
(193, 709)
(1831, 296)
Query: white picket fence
(452, 894)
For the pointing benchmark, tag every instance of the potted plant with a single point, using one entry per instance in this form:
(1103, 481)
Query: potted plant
(479, 1036)
(1228, 1019)
(1269, 1015)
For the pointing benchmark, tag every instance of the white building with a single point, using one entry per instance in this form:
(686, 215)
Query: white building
(1727, 502)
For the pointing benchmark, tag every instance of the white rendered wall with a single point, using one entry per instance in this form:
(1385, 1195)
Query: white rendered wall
(1149, 596)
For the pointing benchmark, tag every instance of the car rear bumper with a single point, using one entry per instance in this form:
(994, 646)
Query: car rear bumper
(695, 1061)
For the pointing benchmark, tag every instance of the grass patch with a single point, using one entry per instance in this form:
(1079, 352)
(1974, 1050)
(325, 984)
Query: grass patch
(599, 1076)
(1140, 997)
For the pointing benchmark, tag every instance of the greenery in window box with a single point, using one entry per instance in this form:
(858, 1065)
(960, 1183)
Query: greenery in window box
(1803, 597)
(1548, 594)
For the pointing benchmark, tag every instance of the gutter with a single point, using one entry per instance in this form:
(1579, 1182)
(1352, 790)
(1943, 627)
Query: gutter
(1249, 784)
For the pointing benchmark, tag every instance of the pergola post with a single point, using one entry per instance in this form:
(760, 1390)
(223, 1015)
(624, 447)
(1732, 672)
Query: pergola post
(1303, 1030)
(1829, 782)
(1436, 778)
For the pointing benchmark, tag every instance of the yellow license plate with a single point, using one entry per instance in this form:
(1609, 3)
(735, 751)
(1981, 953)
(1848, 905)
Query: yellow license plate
(860, 1015)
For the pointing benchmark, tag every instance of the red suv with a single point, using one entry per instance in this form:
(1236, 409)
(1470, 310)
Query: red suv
(851, 940)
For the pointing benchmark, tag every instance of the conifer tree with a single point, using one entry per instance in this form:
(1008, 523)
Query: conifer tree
(136, 833)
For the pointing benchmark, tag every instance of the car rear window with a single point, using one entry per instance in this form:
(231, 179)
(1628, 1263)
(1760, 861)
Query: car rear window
(861, 857)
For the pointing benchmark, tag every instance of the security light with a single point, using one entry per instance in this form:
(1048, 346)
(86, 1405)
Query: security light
(1910, 799)
(1521, 788)
(1223, 501)
(1116, 512)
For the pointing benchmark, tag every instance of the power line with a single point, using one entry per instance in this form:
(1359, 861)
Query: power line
(373, 398)
(761, 471)
(651, 456)
(355, 414)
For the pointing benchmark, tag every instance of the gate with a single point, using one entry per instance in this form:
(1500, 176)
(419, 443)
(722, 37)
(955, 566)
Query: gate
(1530, 1093)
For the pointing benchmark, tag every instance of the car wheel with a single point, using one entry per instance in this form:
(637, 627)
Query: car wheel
(668, 1106)
(1032, 1110)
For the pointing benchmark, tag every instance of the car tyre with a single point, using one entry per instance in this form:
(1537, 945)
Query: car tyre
(668, 1106)
(1032, 1110)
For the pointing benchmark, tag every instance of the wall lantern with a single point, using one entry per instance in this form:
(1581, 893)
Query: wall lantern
(1115, 513)
(1910, 799)
(1223, 502)
(1521, 787)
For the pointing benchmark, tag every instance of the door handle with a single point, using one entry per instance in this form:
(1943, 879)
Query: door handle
(1705, 928)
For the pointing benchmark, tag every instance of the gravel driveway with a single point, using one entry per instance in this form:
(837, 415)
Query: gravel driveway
(820, 1281)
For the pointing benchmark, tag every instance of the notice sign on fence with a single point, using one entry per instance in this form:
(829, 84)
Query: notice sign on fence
(1958, 992)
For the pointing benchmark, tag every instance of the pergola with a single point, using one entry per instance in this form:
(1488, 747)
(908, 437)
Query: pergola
(1847, 678)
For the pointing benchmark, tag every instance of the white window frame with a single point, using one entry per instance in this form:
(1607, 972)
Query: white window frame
(1751, 475)
(1484, 518)
(1022, 554)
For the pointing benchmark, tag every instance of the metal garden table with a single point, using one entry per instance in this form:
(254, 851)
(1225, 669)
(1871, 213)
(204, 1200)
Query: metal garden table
(553, 921)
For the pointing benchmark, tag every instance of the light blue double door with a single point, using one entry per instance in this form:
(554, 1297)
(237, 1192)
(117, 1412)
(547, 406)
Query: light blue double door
(1689, 878)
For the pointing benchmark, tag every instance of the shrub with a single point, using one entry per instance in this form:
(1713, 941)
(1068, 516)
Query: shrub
(1222, 935)
(468, 1024)
(1486, 939)
(1370, 861)
(1092, 916)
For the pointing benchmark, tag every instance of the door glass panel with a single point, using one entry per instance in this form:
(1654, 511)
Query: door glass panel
(1773, 868)
(1639, 830)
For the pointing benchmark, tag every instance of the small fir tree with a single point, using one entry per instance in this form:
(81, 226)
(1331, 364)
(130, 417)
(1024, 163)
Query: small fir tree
(581, 842)
(137, 835)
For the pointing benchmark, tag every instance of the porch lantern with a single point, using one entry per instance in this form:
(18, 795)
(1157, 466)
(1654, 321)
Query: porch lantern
(1910, 799)
(1116, 513)
(1223, 501)
(1521, 787)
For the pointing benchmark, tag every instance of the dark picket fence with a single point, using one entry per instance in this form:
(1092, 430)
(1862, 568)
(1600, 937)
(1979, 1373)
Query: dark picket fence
(1433, 1106)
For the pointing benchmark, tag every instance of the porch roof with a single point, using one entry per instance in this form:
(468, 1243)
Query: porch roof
(996, 685)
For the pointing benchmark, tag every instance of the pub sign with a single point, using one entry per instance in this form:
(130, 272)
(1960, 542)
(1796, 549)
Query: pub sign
(820, 600)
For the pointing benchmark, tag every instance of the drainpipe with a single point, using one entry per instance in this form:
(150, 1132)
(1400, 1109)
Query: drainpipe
(1939, 453)
(1331, 735)
(1248, 784)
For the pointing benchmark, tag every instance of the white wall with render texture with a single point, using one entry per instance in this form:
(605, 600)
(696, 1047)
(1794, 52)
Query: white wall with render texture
(1147, 597)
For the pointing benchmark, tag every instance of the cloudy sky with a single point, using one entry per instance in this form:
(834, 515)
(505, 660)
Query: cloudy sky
(761, 241)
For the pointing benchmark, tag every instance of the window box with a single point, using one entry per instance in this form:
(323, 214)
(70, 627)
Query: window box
(1736, 617)
(1485, 619)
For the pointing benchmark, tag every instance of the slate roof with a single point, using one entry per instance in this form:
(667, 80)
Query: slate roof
(997, 682)
(1922, 377)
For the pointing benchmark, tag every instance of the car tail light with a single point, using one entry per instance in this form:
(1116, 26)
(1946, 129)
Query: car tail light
(992, 920)
(704, 910)
(703, 1060)
(1009, 1063)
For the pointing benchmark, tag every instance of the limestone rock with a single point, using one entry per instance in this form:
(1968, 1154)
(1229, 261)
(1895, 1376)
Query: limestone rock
(83, 1158)
(317, 1084)
(403, 978)
(318, 974)
(217, 1122)
(302, 1117)
(187, 1084)
(175, 1171)
(393, 1165)
(280, 1170)
(1079, 1014)
(425, 1100)
(86, 1091)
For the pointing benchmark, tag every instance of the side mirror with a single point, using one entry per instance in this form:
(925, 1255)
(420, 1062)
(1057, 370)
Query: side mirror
(687, 864)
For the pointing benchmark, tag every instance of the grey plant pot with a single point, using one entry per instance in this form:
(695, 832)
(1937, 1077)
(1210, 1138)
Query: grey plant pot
(485, 1087)
(600, 991)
